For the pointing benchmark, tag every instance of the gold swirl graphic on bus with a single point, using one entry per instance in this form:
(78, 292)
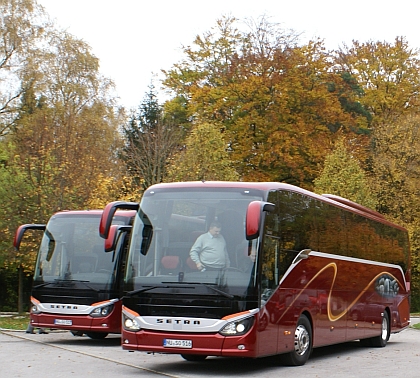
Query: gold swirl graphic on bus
(332, 265)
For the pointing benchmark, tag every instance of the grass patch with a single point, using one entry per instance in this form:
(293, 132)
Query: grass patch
(16, 322)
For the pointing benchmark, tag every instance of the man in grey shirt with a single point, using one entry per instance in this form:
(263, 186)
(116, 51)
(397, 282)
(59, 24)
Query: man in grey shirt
(209, 250)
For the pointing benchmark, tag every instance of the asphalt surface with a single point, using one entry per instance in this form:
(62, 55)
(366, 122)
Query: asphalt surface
(60, 354)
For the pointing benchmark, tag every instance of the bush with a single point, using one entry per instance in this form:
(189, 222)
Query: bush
(9, 290)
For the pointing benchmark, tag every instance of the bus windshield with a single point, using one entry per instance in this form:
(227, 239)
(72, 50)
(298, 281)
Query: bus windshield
(72, 250)
(167, 226)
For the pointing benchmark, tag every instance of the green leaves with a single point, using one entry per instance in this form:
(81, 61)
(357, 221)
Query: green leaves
(342, 175)
(388, 73)
(274, 99)
(151, 138)
(204, 157)
(58, 129)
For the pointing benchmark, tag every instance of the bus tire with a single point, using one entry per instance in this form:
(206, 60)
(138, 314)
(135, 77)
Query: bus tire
(193, 357)
(97, 335)
(366, 343)
(302, 343)
(381, 340)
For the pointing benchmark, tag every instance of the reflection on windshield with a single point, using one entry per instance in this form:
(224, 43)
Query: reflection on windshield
(72, 250)
(168, 225)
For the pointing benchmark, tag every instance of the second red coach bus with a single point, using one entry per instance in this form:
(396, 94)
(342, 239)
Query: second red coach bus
(306, 271)
(77, 286)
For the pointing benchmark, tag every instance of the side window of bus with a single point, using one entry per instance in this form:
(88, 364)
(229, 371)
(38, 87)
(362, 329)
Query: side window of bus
(332, 232)
(282, 239)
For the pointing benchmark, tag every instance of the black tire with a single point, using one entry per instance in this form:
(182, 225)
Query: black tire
(366, 343)
(97, 335)
(193, 357)
(381, 340)
(302, 344)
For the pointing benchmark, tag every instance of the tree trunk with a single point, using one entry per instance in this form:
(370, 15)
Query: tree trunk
(20, 289)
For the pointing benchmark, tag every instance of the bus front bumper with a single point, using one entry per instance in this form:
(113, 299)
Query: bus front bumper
(189, 343)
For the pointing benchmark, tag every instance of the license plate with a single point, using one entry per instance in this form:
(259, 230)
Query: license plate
(63, 322)
(171, 343)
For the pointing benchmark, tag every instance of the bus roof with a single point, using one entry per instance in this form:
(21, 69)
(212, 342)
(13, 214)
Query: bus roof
(127, 213)
(267, 186)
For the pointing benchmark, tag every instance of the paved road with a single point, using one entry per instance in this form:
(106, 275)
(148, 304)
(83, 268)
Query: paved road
(60, 354)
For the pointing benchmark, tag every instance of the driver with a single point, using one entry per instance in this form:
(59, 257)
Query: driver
(209, 250)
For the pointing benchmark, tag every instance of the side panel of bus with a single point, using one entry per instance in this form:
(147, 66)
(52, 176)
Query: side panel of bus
(345, 288)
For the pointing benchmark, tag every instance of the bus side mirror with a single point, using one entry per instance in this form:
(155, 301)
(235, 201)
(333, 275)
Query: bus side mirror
(21, 231)
(114, 234)
(253, 218)
(108, 214)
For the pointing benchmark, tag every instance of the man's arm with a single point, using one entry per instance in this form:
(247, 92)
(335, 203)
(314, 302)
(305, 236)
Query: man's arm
(195, 252)
(226, 256)
(224, 253)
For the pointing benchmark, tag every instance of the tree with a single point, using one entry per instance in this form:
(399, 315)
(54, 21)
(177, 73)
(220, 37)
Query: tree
(13, 191)
(14, 266)
(278, 103)
(22, 27)
(395, 165)
(66, 129)
(413, 230)
(388, 73)
(150, 140)
(205, 157)
(61, 151)
(342, 175)
(396, 169)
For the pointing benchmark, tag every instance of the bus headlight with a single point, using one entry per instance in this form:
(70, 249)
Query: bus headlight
(35, 309)
(102, 311)
(238, 327)
(130, 324)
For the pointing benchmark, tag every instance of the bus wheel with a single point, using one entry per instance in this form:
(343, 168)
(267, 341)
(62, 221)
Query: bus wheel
(302, 343)
(381, 340)
(97, 335)
(193, 357)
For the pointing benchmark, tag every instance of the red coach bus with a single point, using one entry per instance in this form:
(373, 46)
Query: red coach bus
(76, 285)
(326, 270)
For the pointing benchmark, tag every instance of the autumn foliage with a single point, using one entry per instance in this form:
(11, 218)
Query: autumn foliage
(247, 102)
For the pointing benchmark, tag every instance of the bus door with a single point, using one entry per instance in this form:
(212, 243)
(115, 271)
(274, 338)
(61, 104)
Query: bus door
(276, 315)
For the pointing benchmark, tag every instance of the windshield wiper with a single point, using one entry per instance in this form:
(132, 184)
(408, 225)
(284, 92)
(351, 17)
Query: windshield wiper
(84, 282)
(58, 281)
(209, 286)
(139, 291)
(227, 295)
(43, 284)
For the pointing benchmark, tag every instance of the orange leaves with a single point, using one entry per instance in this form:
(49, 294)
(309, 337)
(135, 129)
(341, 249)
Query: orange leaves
(279, 103)
(388, 73)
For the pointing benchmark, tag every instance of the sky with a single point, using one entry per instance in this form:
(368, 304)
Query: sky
(135, 39)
